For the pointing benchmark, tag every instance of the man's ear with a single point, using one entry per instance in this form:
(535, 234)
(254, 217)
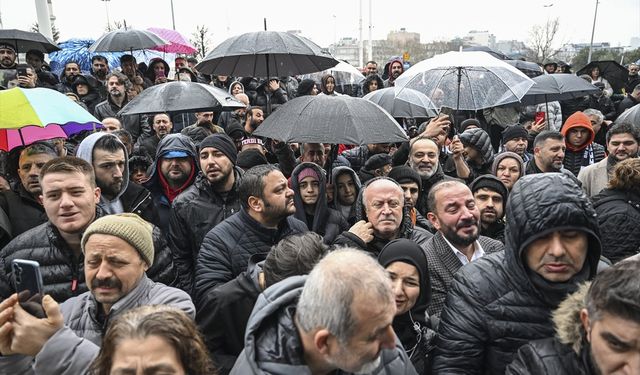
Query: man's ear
(255, 204)
(433, 219)
(321, 341)
(586, 323)
(536, 150)
(41, 199)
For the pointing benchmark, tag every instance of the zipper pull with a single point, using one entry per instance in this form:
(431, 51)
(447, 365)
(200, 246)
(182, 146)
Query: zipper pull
(74, 284)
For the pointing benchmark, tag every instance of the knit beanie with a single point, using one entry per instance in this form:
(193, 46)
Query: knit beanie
(250, 158)
(469, 122)
(377, 161)
(492, 183)
(407, 251)
(126, 226)
(480, 140)
(513, 132)
(8, 46)
(308, 172)
(503, 155)
(404, 173)
(222, 143)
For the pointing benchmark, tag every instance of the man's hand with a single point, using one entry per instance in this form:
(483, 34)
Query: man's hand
(456, 147)
(160, 80)
(437, 125)
(30, 333)
(274, 85)
(539, 126)
(6, 324)
(364, 230)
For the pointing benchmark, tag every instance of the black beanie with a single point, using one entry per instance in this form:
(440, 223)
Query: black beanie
(404, 173)
(222, 143)
(491, 182)
(408, 251)
(513, 132)
(250, 158)
(469, 122)
(305, 86)
(377, 161)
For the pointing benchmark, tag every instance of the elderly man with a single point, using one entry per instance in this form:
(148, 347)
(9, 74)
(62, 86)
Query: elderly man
(338, 320)
(455, 215)
(424, 157)
(516, 139)
(600, 322)
(504, 300)
(118, 250)
(381, 216)
(162, 126)
(622, 143)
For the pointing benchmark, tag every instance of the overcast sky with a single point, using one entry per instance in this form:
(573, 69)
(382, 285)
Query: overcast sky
(327, 20)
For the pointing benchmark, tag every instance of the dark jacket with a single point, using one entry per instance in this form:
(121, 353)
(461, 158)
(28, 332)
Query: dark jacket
(226, 249)
(135, 124)
(626, 103)
(149, 145)
(193, 214)
(269, 101)
(496, 304)
(223, 314)
(273, 346)
(495, 230)
(23, 211)
(427, 184)
(92, 98)
(347, 212)
(138, 200)
(357, 156)
(327, 222)
(574, 161)
(619, 220)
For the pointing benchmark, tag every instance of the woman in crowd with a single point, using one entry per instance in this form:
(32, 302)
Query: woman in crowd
(373, 82)
(508, 167)
(328, 85)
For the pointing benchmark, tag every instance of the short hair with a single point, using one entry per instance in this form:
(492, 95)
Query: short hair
(34, 52)
(110, 143)
(99, 57)
(152, 117)
(547, 134)
(622, 128)
(293, 255)
(71, 62)
(39, 148)
(419, 139)
(310, 143)
(123, 134)
(192, 60)
(371, 62)
(68, 164)
(373, 181)
(252, 183)
(127, 58)
(328, 294)
(172, 325)
(626, 175)
(123, 79)
(616, 291)
(594, 112)
(444, 184)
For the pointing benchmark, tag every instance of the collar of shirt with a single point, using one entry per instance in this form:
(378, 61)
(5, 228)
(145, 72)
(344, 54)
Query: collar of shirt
(478, 252)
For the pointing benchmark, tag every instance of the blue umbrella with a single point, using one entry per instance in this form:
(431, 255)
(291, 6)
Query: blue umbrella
(78, 50)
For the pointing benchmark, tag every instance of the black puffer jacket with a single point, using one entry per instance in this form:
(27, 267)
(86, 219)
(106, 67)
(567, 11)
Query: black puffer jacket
(226, 248)
(496, 304)
(619, 220)
(269, 101)
(23, 211)
(193, 213)
(62, 271)
(427, 184)
(137, 125)
(357, 156)
(327, 222)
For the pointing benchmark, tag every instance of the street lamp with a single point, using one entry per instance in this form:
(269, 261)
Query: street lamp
(593, 30)
(106, 9)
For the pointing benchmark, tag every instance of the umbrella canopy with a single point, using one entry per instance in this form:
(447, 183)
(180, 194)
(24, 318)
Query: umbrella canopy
(126, 40)
(631, 115)
(26, 40)
(530, 69)
(13, 138)
(266, 54)
(78, 50)
(387, 99)
(344, 73)
(177, 42)
(40, 107)
(465, 81)
(180, 96)
(496, 54)
(616, 74)
(561, 86)
(331, 119)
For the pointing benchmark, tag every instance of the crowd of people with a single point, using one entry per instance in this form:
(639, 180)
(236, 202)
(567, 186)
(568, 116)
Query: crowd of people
(491, 242)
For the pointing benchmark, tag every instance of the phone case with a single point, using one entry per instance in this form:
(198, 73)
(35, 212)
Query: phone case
(28, 284)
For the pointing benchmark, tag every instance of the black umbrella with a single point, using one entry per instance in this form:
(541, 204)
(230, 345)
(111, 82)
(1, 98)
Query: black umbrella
(331, 119)
(561, 86)
(181, 96)
(387, 99)
(126, 40)
(496, 54)
(25, 40)
(616, 74)
(266, 54)
(529, 68)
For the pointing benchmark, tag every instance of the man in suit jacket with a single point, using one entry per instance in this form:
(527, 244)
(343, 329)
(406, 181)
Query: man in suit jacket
(456, 217)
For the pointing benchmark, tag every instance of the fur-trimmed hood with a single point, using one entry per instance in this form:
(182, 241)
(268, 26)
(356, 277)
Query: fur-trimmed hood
(566, 319)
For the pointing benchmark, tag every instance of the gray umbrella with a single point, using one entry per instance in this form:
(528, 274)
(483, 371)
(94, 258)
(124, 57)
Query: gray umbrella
(331, 119)
(561, 86)
(266, 54)
(126, 40)
(631, 115)
(387, 99)
(25, 40)
(181, 96)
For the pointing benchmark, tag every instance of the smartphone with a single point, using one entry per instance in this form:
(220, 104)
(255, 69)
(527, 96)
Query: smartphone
(22, 70)
(539, 116)
(160, 74)
(28, 284)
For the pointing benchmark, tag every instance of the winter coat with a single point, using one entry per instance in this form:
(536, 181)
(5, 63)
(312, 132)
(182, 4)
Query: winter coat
(92, 98)
(72, 349)
(226, 249)
(619, 220)
(148, 146)
(137, 125)
(63, 271)
(595, 177)
(553, 115)
(567, 353)
(223, 314)
(427, 184)
(150, 73)
(22, 209)
(586, 154)
(336, 172)
(496, 304)
(357, 156)
(193, 214)
(626, 103)
(603, 104)
(327, 222)
(273, 346)
(575, 161)
(269, 101)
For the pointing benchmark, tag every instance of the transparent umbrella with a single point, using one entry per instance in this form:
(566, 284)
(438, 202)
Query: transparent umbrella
(345, 74)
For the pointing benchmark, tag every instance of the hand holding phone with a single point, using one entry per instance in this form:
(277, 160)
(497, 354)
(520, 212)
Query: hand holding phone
(28, 284)
(21, 70)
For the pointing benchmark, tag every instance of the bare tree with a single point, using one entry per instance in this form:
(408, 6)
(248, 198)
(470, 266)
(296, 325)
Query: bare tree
(542, 39)
(116, 25)
(201, 40)
(56, 33)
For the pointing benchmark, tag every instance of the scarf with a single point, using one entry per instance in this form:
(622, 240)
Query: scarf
(172, 193)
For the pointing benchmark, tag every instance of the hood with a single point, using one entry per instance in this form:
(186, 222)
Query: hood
(149, 73)
(534, 211)
(323, 83)
(390, 63)
(271, 338)
(566, 319)
(234, 83)
(578, 120)
(480, 140)
(507, 154)
(337, 171)
(254, 268)
(87, 80)
(85, 152)
(321, 212)
(171, 142)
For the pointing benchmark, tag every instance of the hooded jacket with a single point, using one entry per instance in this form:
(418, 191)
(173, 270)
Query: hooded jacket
(586, 154)
(92, 98)
(269, 101)
(619, 220)
(150, 73)
(346, 211)
(406, 230)
(327, 222)
(273, 346)
(22, 209)
(496, 304)
(390, 81)
(565, 354)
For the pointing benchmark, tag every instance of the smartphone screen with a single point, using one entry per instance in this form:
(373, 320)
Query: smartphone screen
(21, 70)
(28, 284)
(539, 116)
